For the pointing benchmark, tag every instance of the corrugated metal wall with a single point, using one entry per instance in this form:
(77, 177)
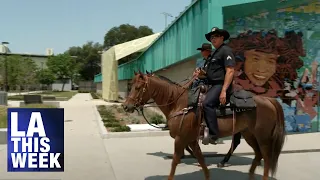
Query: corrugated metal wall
(182, 38)
(178, 42)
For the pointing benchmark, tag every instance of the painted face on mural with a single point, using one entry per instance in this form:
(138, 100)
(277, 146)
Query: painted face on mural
(259, 66)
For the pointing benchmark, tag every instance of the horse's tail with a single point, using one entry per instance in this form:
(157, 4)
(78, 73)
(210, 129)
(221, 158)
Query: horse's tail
(278, 137)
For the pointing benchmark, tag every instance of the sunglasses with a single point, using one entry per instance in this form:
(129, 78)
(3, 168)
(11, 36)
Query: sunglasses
(214, 37)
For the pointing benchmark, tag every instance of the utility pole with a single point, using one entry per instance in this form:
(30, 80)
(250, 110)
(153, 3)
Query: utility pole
(5, 66)
(166, 17)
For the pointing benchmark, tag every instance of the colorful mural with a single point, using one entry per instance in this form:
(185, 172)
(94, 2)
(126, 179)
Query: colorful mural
(278, 55)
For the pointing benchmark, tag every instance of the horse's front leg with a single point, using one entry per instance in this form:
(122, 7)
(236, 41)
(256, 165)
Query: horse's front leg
(198, 154)
(178, 152)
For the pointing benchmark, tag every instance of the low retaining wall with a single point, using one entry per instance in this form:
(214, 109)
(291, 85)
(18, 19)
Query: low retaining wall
(3, 135)
(52, 103)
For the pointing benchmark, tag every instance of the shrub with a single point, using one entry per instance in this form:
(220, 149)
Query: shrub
(157, 119)
(121, 129)
(120, 109)
(94, 95)
(112, 124)
(135, 121)
(15, 98)
(109, 119)
(3, 117)
(84, 91)
(101, 108)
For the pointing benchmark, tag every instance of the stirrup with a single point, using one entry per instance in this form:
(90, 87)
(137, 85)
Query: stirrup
(206, 137)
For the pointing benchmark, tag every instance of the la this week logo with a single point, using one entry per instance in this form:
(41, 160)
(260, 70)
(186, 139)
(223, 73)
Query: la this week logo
(35, 139)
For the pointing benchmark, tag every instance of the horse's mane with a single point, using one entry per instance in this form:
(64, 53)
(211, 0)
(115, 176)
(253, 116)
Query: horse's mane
(168, 80)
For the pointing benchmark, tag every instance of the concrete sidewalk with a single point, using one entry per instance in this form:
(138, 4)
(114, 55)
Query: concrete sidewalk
(85, 154)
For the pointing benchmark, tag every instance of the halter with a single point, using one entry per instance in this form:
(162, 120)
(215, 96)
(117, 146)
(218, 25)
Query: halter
(137, 101)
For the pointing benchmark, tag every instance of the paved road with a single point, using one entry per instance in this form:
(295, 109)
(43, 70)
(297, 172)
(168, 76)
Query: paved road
(149, 158)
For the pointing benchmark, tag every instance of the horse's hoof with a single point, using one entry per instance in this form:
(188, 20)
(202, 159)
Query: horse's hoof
(220, 165)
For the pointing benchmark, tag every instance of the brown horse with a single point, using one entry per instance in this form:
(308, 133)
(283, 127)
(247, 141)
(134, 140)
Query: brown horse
(262, 127)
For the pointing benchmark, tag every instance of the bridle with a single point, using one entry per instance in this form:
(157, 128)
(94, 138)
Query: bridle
(138, 100)
(138, 105)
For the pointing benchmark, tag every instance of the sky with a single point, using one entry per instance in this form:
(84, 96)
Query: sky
(31, 26)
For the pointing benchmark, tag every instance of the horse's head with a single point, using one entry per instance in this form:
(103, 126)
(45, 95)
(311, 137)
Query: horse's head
(140, 92)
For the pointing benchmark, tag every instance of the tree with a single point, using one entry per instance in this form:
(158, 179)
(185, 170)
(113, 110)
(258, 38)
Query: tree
(20, 71)
(125, 33)
(63, 66)
(27, 72)
(87, 58)
(45, 76)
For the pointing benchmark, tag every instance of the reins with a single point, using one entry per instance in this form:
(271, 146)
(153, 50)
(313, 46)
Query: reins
(141, 106)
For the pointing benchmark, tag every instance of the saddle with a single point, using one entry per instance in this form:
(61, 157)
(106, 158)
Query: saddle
(237, 101)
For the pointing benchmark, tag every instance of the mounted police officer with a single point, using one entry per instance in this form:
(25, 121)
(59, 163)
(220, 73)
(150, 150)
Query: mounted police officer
(205, 50)
(219, 69)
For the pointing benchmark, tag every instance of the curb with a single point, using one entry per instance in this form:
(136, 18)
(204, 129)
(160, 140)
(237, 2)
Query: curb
(3, 135)
(102, 129)
(134, 134)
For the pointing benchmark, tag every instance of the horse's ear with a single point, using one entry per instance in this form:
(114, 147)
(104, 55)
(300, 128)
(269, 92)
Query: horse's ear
(135, 73)
(140, 73)
(147, 72)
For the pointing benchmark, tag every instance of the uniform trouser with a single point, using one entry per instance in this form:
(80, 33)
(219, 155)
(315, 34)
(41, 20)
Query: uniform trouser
(210, 105)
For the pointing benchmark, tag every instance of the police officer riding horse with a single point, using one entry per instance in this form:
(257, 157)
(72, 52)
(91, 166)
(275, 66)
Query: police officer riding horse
(217, 74)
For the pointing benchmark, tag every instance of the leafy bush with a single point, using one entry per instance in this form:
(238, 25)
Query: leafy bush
(157, 119)
(135, 121)
(109, 120)
(3, 117)
(120, 109)
(84, 91)
(16, 98)
(121, 129)
(94, 95)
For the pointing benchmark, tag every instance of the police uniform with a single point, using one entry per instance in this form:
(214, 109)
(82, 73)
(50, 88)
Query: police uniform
(215, 68)
(204, 47)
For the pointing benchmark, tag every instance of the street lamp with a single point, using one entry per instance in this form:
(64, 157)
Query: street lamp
(6, 67)
(165, 18)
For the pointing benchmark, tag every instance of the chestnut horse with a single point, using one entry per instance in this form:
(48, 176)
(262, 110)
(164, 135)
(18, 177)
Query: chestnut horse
(262, 127)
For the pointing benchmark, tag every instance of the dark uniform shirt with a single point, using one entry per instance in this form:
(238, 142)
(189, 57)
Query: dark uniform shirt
(217, 62)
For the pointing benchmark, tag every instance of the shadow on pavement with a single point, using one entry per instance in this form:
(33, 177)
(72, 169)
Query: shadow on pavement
(211, 159)
(217, 174)
(234, 161)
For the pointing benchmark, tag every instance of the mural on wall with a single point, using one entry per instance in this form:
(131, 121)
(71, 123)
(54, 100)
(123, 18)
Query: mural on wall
(278, 55)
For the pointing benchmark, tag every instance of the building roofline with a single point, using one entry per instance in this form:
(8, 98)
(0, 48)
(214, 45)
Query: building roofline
(24, 55)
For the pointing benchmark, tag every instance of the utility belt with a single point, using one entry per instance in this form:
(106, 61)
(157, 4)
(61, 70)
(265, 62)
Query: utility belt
(215, 82)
